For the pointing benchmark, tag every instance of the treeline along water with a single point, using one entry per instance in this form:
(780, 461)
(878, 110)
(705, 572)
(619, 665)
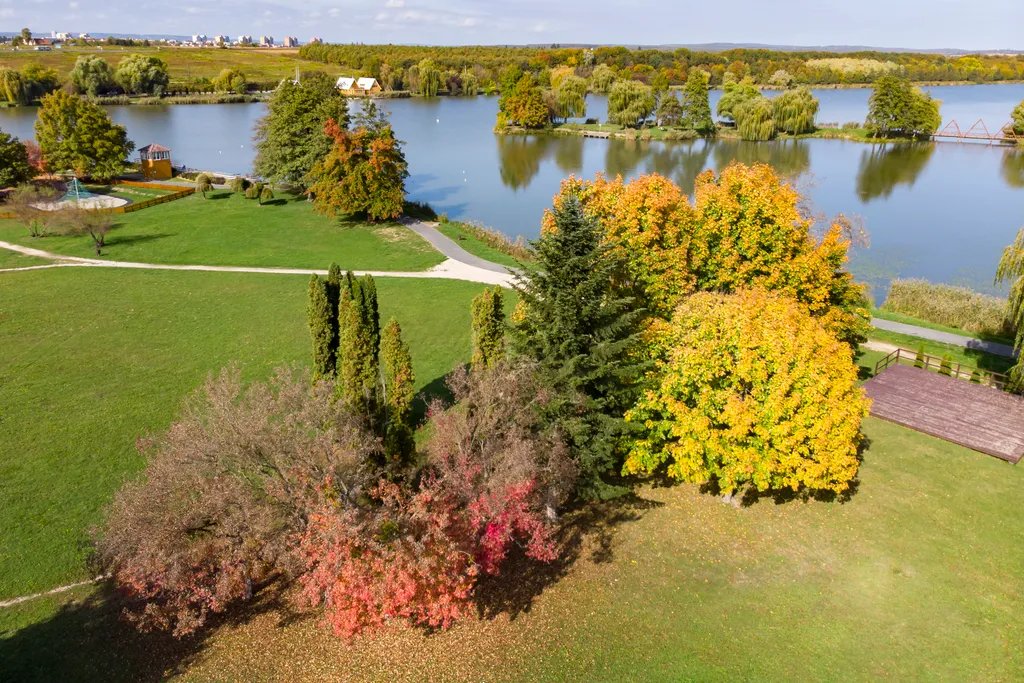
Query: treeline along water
(939, 211)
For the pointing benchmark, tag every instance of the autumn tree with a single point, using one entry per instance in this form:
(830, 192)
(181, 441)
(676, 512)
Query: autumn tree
(897, 108)
(724, 409)
(744, 228)
(488, 309)
(15, 168)
(630, 103)
(79, 136)
(364, 172)
(581, 333)
(291, 138)
(523, 106)
(142, 74)
(696, 104)
(92, 75)
(25, 202)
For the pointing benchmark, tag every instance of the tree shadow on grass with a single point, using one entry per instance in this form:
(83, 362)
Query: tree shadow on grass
(275, 202)
(218, 195)
(88, 640)
(113, 240)
(586, 531)
(436, 389)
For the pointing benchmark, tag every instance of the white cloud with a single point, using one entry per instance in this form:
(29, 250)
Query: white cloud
(73, 5)
(395, 3)
(334, 12)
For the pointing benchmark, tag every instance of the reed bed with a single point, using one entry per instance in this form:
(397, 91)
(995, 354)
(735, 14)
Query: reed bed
(950, 306)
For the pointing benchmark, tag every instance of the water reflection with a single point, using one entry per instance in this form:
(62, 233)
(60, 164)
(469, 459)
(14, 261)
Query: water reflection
(883, 167)
(1013, 167)
(790, 158)
(520, 157)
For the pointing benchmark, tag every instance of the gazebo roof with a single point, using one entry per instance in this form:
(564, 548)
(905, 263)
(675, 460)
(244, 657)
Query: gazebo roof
(154, 148)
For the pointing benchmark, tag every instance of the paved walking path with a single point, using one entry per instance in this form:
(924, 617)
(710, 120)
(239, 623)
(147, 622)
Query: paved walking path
(945, 337)
(449, 247)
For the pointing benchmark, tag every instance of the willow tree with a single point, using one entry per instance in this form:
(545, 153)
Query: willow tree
(12, 86)
(1011, 269)
(735, 95)
(430, 78)
(602, 78)
(754, 119)
(1018, 119)
(571, 97)
(630, 103)
(794, 111)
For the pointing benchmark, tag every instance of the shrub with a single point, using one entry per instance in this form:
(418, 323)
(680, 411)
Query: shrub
(852, 125)
(239, 184)
(203, 184)
(919, 358)
(443, 219)
(266, 194)
(723, 405)
(946, 366)
(949, 305)
(676, 134)
(254, 191)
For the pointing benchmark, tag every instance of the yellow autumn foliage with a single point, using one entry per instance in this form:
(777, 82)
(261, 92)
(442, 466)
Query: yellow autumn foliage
(745, 228)
(749, 389)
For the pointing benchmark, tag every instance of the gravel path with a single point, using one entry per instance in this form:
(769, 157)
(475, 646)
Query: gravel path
(945, 337)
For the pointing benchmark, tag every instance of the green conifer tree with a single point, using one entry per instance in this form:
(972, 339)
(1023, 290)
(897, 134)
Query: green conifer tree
(580, 334)
(334, 279)
(369, 290)
(398, 392)
(358, 365)
(321, 325)
(488, 310)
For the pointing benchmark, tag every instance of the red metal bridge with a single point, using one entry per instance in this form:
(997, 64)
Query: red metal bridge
(978, 132)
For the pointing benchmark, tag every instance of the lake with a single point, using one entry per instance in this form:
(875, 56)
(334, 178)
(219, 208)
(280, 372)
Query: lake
(938, 211)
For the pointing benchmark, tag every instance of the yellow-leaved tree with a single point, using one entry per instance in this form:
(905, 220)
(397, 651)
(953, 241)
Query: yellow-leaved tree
(744, 228)
(749, 389)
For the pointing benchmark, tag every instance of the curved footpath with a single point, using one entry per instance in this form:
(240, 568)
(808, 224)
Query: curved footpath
(459, 265)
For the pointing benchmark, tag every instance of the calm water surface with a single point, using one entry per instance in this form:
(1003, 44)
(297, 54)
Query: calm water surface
(942, 212)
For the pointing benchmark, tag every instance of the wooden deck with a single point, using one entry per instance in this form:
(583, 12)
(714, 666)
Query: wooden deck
(981, 418)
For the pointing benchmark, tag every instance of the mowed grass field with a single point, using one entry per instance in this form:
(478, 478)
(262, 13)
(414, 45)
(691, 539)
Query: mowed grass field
(226, 229)
(94, 359)
(258, 64)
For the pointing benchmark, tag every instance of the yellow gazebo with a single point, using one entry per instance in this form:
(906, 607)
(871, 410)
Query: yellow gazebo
(156, 162)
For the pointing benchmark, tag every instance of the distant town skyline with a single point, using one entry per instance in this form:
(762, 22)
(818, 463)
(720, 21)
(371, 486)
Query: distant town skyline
(918, 24)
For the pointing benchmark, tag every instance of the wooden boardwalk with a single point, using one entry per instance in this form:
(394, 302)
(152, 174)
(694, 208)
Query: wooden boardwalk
(981, 418)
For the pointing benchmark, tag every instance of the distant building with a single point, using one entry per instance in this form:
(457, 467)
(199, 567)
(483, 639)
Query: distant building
(221, 40)
(267, 41)
(358, 87)
(316, 41)
(62, 36)
(156, 162)
(199, 38)
(84, 36)
(291, 41)
(244, 40)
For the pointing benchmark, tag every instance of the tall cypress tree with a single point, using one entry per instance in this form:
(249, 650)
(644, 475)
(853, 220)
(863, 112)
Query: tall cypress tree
(334, 278)
(488, 309)
(369, 288)
(580, 334)
(358, 365)
(321, 327)
(398, 391)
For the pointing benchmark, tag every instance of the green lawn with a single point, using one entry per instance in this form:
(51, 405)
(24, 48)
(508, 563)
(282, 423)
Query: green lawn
(229, 230)
(957, 354)
(94, 359)
(915, 577)
(136, 194)
(12, 259)
(453, 230)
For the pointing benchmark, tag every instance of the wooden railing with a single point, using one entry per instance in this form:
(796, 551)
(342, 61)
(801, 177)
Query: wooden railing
(176, 192)
(944, 367)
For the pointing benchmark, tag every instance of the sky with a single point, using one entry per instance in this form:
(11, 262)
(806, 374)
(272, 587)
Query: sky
(922, 24)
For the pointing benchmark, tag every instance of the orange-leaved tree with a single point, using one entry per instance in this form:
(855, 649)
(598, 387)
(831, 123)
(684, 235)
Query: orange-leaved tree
(749, 389)
(745, 228)
(364, 172)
